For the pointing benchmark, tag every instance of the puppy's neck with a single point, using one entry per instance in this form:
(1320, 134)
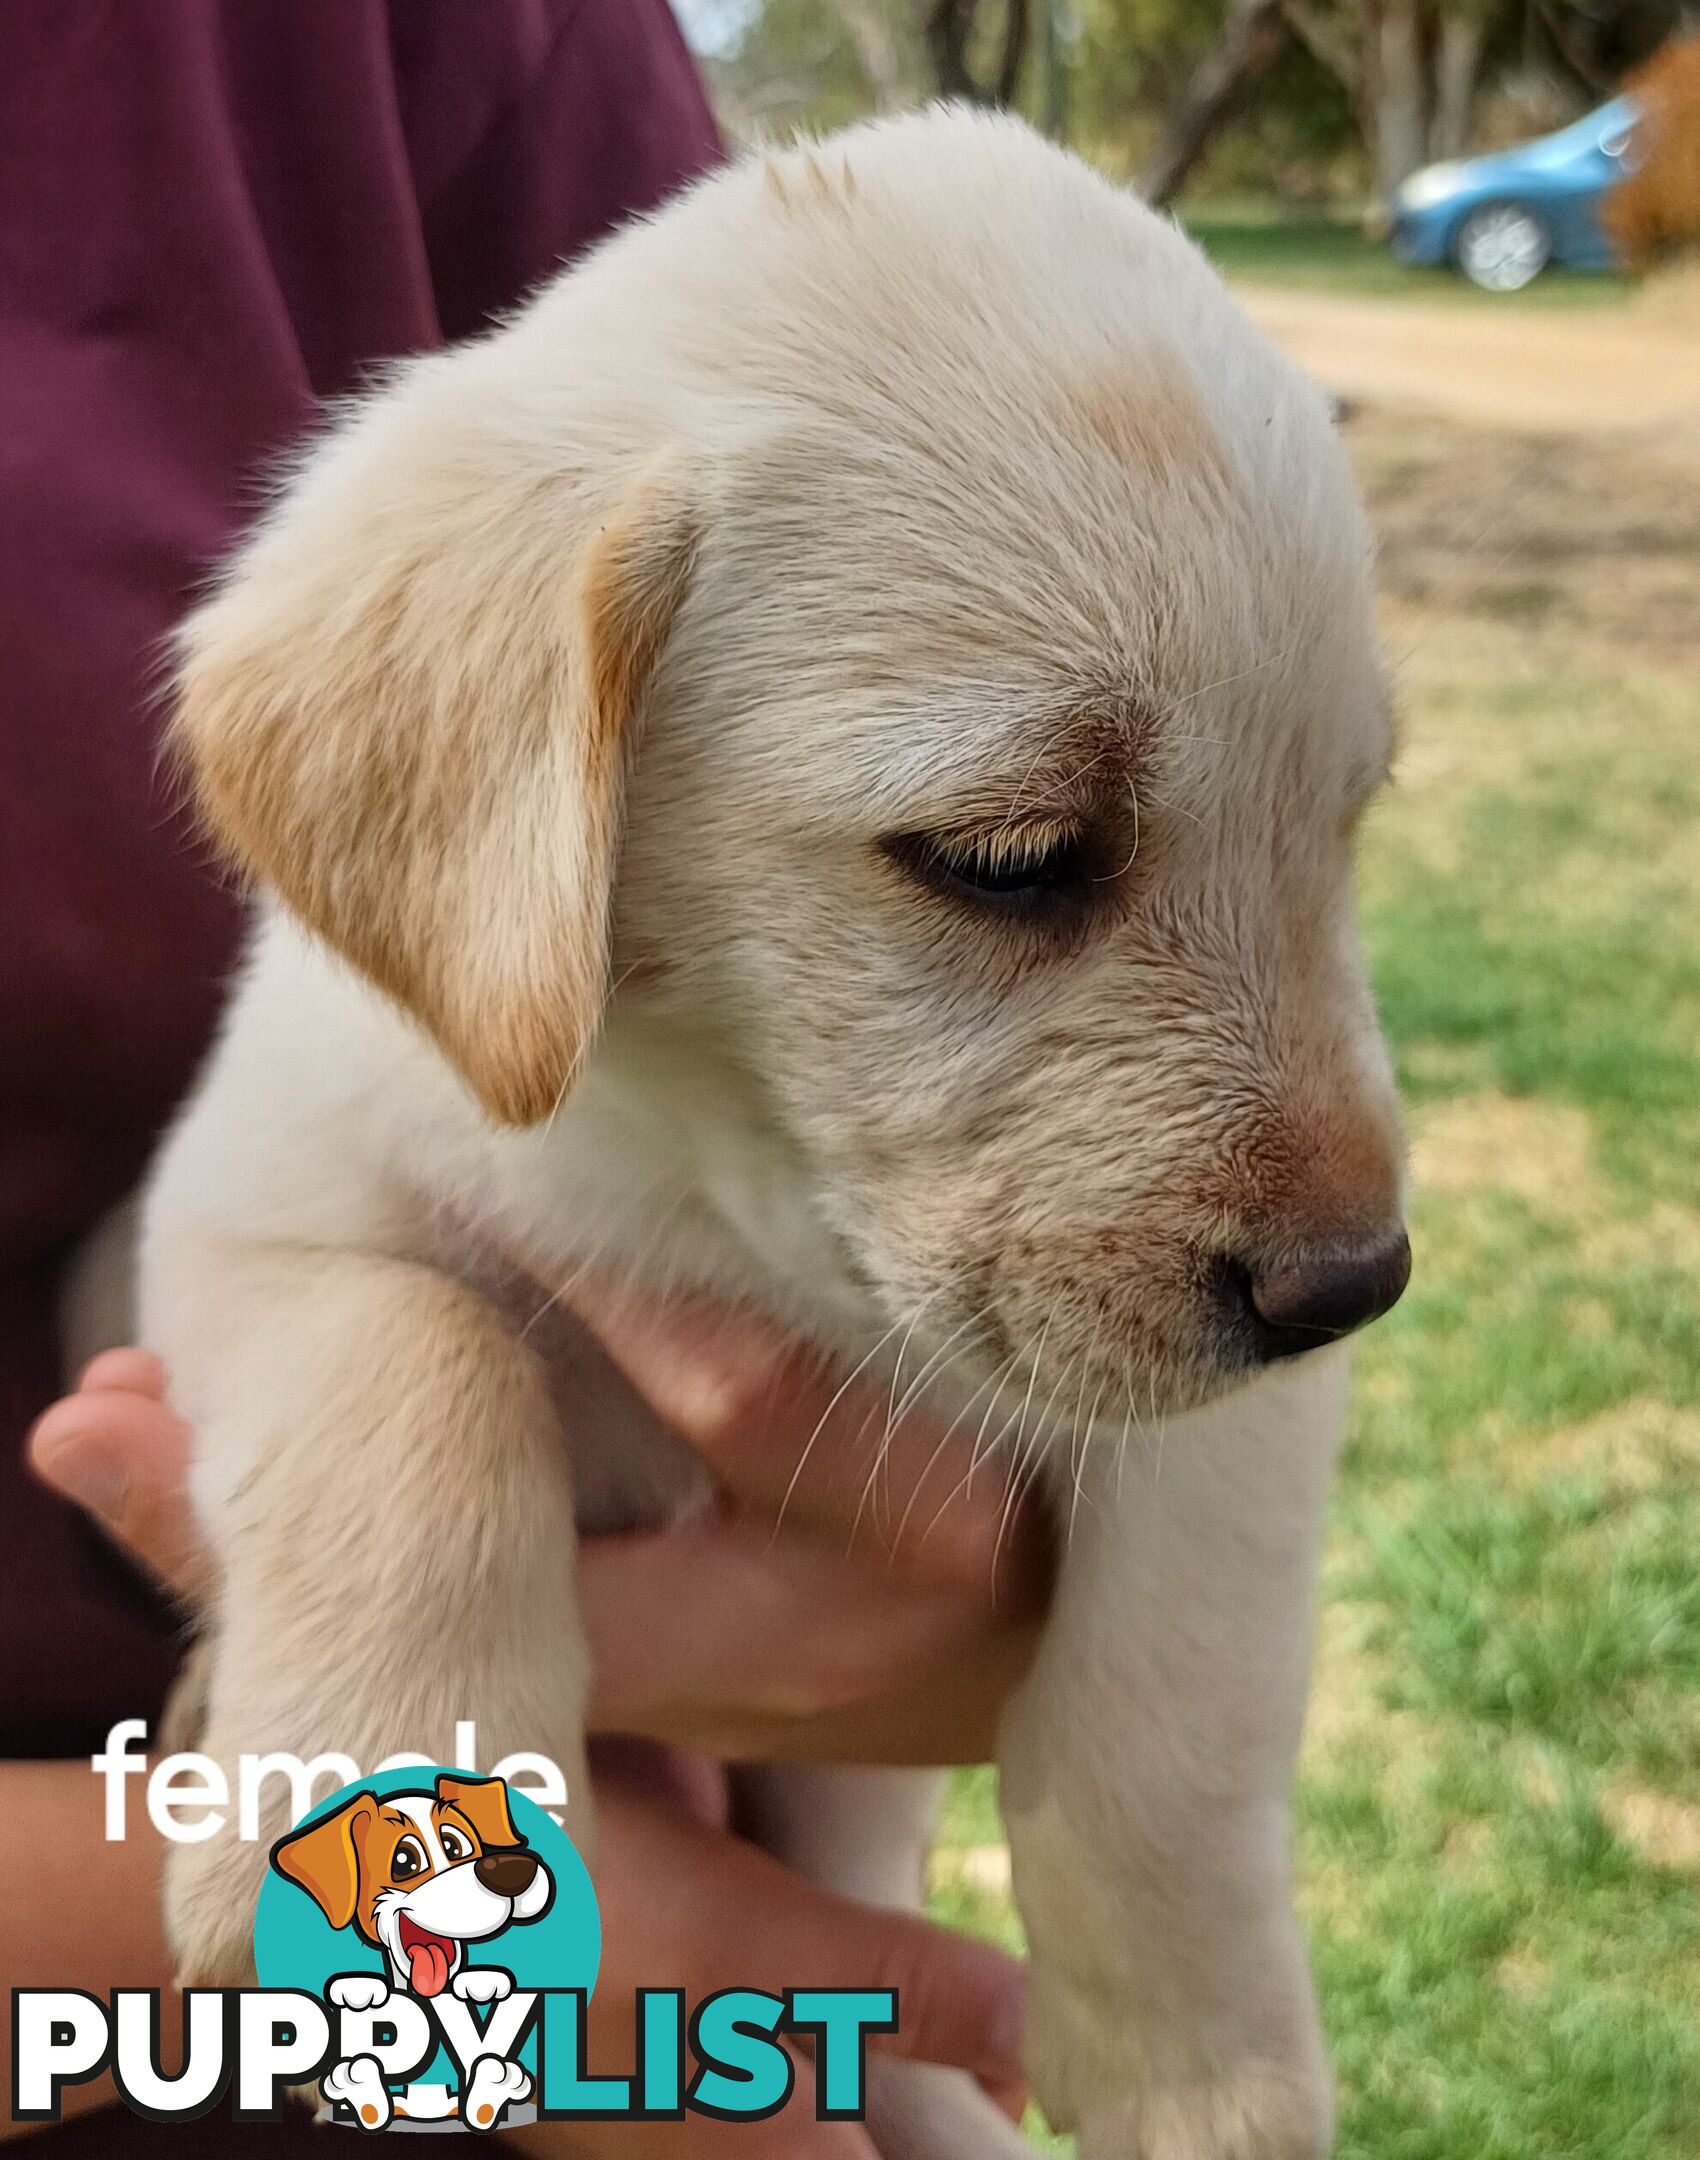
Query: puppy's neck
(671, 1160)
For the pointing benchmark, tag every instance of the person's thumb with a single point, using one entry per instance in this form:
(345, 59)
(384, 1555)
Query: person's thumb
(959, 2001)
(124, 1457)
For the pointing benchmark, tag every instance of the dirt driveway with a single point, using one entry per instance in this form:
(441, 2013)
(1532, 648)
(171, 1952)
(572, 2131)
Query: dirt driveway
(1609, 371)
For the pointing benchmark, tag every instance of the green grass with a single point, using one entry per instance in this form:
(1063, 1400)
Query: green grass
(1499, 1818)
(1332, 255)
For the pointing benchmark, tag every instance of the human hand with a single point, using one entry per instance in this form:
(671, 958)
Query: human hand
(862, 1596)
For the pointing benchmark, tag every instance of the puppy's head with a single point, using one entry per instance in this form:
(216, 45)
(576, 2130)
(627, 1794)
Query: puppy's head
(420, 1874)
(896, 605)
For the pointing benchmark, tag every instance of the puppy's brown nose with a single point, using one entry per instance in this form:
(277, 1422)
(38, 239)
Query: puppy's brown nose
(1325, 1295)
(507, 1873)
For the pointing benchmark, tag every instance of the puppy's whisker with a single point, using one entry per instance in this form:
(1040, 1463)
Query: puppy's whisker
(944, 1355)
(991, 1447)
(1086, 1432)
(1133, 852)
(1036, 1445)
(838, 1394)
(1224, 682)
(977, 1453)
(634, 1268)
(561, 1094)
(984, 1449)
(870, 1489)
(895, 1532)
(1130, 1418)
(1033, 1382)
(1038, 760)
(946, 1439)
(1026, 1464)
(1021, 1482)
(942, 1359)
(870, 1484)
(1087, 1429)
(902, 1353)
(1076, 1459)
(1043, 1433)
(1022, 807)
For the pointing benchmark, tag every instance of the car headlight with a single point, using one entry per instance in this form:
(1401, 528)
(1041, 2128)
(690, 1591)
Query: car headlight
(1430, 186)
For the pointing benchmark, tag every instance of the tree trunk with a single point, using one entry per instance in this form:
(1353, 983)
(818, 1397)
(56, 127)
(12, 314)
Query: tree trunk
(1014, 52)
(1251, 38)
(950, 26)
(1457, 62)
(1401, 103)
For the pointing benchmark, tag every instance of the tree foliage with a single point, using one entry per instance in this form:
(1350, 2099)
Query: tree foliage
(1298, 97)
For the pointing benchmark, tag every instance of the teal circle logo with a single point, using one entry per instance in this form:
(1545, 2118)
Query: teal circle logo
(426, 1886)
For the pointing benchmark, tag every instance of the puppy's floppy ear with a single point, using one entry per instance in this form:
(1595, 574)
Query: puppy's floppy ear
(484, 1803)
(411, 706)
(325, 1859)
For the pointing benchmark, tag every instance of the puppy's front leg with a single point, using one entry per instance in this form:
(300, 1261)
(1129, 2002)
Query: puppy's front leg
(1146, 1766)
(385, 1487)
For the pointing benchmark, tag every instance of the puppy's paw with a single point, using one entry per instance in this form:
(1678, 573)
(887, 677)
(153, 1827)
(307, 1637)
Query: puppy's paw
(1136, 2088)
(359, 2086)
(482, 1984)
(358, 1991)
(493, 2086)
(1264, 2113)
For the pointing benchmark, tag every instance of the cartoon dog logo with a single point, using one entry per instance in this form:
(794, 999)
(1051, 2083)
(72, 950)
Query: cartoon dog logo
(419, 1875)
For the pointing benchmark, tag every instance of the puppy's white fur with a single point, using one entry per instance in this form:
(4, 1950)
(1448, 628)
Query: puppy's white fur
(919, 484)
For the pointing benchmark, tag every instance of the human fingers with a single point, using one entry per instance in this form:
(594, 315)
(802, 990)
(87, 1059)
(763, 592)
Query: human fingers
(721, 1637)
(855, 1460)
(125, 1372)
(734, 1916)
(119, 1451)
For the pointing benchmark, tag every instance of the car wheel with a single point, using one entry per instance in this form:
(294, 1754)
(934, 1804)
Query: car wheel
(1502, 247)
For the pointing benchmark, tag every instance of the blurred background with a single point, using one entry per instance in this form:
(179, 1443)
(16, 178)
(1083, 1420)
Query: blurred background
(1475, 220)
(1293, 121)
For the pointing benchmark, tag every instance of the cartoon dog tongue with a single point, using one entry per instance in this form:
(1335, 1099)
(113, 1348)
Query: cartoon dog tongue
(428, 1960)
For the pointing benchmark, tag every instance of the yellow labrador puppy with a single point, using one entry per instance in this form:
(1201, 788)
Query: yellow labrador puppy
(818, 762)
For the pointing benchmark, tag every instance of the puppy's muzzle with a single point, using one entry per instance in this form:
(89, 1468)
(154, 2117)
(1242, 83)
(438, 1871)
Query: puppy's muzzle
(1317, 1298)
(508, 1874)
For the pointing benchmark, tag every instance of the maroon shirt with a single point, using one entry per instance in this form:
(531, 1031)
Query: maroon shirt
(214, 214)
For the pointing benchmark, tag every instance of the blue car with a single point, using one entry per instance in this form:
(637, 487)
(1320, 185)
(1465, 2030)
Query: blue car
(1502, 219)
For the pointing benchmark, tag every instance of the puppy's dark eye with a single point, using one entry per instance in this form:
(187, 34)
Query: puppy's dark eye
(455, 1847)
(1009, 869)
(408, 1860)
